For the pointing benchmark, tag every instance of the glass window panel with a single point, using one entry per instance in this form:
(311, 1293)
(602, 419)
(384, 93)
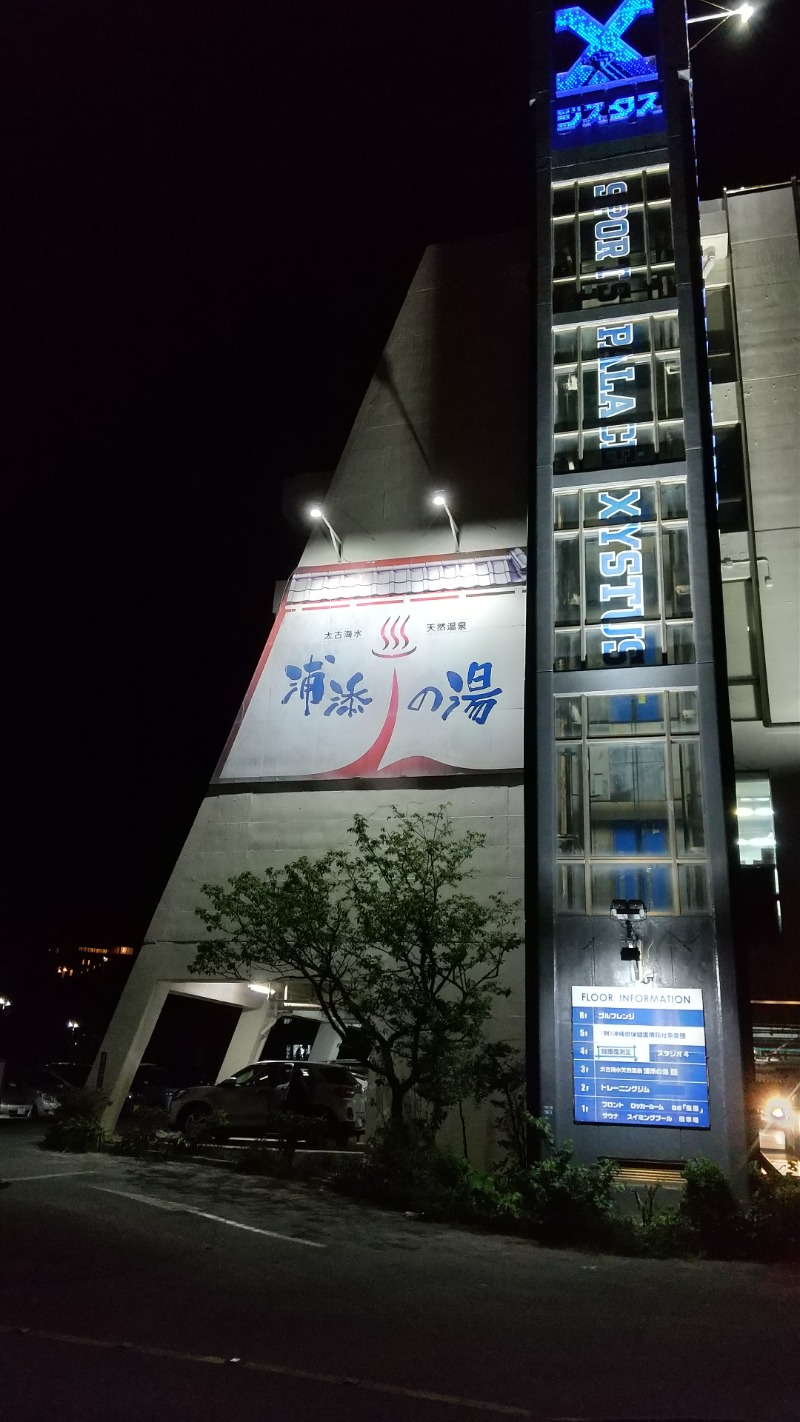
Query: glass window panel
(567, 511)
(648, 656)
(566, 400)
(627, 596)
(598, 227)
(565, 454)
(644, 501)
(663, 285)
(569, 800)
(668, 385)
(565, 344)
(683, 711)
(633, 381)
(563, 199)
(680, 644)
(755, 819)
(568, 582)
(693, 888)
(619, 457)
(590, 201)
(568, 718)
(652, 883)
(563, 249)
(687, 795)
(665, 333)
(570, 888)
(657, 180)
(659, 225)
(675, 555)
(638, 345)
(671, 447)
(628, 812)
(673, 500)
(567, 651)
(640, 713)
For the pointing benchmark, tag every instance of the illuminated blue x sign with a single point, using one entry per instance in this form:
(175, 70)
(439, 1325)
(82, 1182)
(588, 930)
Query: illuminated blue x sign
(607, 58)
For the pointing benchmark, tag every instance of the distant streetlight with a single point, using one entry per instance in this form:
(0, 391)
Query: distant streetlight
(73, 1026)
(440, 502)
(316, 512)
(4, 1003)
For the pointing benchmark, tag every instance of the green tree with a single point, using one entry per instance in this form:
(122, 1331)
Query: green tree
(384, 934)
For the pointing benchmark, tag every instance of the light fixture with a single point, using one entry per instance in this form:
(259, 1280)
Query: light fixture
(72, 1026)
(265, 989)
(4, 1003)
(316, 513)
(742, 13)
(440, 502)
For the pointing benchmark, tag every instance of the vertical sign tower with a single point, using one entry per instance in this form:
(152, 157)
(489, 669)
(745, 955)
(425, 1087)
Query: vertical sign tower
(632, 998)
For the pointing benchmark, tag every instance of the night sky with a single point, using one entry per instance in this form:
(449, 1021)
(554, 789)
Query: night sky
(211, 211)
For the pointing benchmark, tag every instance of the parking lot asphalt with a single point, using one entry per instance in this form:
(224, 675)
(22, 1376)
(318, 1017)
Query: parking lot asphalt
(138, 1290)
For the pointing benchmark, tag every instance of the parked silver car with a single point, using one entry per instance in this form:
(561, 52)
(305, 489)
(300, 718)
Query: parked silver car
(16, 1101)
(326, 1090)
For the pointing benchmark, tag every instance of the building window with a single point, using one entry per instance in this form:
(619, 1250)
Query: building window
(741, 650)
(630, 820)
(622, 586)
(617, 394)
(719, 327)
(756, 820)
(730, 476)
(612, 240)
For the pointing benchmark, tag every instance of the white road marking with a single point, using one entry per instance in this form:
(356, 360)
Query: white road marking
(204, 1215)
(54, 1175)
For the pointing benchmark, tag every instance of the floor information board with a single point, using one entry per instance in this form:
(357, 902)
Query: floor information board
(639, 1056)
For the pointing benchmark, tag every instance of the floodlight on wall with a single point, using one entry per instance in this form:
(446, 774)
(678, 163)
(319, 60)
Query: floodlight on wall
(4, 1003)
(440, 502)
(316, 513)
(742, 13)
(720, 14)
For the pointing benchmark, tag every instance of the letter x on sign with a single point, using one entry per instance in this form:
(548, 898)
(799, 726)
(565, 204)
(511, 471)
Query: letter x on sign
(607, 56)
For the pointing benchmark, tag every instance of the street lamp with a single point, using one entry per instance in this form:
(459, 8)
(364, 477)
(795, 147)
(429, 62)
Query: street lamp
(4, 1003)
(72, 1026)
(315, 512)
(440, 502)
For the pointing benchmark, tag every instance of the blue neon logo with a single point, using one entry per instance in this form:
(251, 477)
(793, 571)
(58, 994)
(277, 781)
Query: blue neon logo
(607, 58)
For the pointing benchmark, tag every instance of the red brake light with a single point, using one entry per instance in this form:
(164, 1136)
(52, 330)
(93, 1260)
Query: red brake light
(344, 1091)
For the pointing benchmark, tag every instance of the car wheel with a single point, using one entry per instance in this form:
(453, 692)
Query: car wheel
(192, 1116)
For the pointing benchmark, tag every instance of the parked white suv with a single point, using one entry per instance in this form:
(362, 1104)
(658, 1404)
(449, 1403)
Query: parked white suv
(323, 1089)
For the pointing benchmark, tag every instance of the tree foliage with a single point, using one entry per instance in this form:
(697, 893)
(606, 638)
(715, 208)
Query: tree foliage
(384, 935)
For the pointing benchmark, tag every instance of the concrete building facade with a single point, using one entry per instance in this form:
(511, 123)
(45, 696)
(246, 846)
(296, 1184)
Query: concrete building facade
(602, 771)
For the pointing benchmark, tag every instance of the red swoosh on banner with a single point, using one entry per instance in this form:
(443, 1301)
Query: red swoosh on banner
(368, 763)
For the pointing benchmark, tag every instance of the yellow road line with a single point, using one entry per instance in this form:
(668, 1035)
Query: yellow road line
(277, 1369)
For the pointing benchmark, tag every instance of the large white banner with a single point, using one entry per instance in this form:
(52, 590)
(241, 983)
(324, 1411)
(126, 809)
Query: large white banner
(427, 683)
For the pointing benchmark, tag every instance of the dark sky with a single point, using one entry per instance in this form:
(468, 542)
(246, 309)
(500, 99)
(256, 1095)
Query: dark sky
(211, 210)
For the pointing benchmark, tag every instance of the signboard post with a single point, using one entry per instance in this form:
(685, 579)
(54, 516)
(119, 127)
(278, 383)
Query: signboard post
(639, 1056)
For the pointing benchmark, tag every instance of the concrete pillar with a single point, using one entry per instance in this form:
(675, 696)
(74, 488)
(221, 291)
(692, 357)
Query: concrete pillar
(326, 1044)
(135, 1017)
(249, 1033)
